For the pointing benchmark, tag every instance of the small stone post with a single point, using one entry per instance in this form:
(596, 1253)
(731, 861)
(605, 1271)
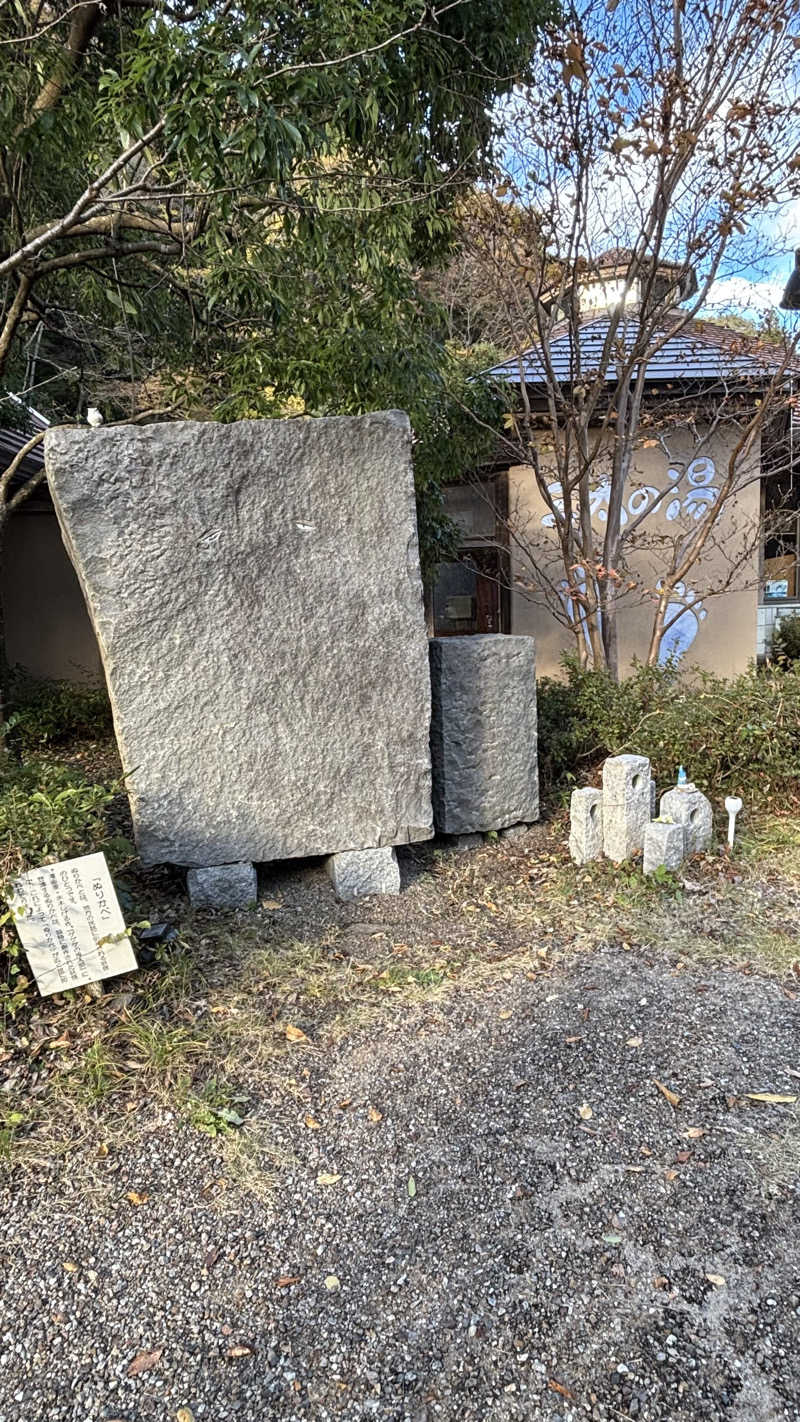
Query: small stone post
(688, 806)
(626, 805)
(586, 824)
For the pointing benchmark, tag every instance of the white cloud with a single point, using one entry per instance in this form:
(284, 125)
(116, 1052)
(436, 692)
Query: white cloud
(740, 294)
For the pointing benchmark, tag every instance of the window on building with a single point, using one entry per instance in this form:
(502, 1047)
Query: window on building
(780, 576)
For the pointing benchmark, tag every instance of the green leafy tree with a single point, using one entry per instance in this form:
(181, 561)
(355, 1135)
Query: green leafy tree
(219, 210)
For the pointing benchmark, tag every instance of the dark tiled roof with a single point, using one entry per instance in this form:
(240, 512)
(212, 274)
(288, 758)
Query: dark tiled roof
(699, 350)
(12, 440)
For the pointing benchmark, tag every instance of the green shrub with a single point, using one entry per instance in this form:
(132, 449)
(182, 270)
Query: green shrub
(741, 735)
(786, 640)
(47, 713)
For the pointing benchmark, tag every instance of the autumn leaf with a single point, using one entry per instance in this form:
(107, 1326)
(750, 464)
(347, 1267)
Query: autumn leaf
(137, 1197)
(286, 1279)
(311, 1123)
(294, 1034)
(560, 1389)
(694, 1133)
(375, 1115)
(718, 1280)
(668, 1095)
(184, 1414)
(70, 1267)
(327, 1179)
(332, 1283)
(412, 1187)
(671, 1174)
(143, 1361)
(238, 1350)
(770, 1098)
(634, 1042)
(585, 1112)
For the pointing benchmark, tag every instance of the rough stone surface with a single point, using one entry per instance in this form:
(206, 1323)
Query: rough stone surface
(586, 824)
(663, 846)
(688, 806)
(356, 872)
(626, 805)
(223, 886)
(257, 598)
(483, 733)
(463, 843)
(514, 831)
(653, 798)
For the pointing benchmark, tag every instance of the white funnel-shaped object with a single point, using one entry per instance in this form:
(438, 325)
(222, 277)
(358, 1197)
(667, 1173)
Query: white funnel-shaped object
(733, 805)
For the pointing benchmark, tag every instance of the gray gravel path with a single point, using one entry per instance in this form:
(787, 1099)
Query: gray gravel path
(543, 1264)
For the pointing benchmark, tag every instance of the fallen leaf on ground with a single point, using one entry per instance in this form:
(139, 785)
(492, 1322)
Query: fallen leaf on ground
(137, 1197)
(184, 1414)
(645, 1150)
(585, 1112)
(239, 1350)
(770, 1098)
(671, 1174)
(668, 1095)
(661, 1282)
(271, 903)
(343, 1105)
(634, 1042)
(311, 1123)
(328, 1179)
(560, 1389)
(295, 1034)
(332, 1283)
(143, 1361)
(571, 1040)
(412, 1187)
(682, 1156)
(375, 1115)
(694, 1133)
(286, 1279)
(612, 1238)
(718, 1280)
(70, 1267)
(504, 1016)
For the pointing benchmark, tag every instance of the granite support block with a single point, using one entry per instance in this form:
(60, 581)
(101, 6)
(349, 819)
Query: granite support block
(483, 733)
(688, 807)
(586, 824)
(256, 593)
(626, 805)
(663, 846)
(357, 872)
(223, 886)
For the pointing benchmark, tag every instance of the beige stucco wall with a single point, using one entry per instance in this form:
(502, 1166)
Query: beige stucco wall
(48, 630)
(720, 631)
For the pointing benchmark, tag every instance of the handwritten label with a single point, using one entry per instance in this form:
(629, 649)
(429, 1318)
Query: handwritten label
(70, 924)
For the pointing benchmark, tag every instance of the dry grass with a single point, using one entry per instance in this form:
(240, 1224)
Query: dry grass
(202, 1035)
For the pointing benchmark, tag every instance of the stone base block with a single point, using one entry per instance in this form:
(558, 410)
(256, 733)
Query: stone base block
(463, 843)
(514, 831)
(356, 872)
(223, 886)
(483, 733)
(663, 846)
(626, 805)
(586, 824)
(688, 806)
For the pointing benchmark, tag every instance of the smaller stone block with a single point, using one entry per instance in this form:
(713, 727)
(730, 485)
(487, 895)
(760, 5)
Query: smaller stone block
(586, 824)
(356, 872)
(626, 805)
(514, 831)
(688, 806)
(463, 843)
(663, 845)
(223, 886)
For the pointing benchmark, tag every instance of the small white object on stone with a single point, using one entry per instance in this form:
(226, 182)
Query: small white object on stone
(663, 846)
(70, 924)
(733, 805)
(93, 417)
(586, 824)
(356, 872)
(688, 806)
(223, 886)
(626, 805)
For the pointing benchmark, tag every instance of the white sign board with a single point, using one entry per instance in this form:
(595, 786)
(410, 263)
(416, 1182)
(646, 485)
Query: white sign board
(67, 916)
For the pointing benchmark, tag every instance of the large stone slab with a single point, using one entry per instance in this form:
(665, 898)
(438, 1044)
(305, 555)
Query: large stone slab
(483, 733)
(257, 598)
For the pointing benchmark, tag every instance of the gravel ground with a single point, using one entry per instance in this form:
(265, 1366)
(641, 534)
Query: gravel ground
(517, 1224)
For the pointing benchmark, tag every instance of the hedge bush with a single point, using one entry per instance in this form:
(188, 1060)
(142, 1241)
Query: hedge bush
(786, 640)
(741, 735)
(53, 713)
